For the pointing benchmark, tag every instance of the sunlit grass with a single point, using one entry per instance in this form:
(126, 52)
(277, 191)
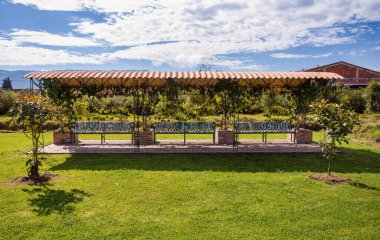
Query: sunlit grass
(190, 196)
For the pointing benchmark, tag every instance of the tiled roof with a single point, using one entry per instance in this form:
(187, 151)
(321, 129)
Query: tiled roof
(80, 78)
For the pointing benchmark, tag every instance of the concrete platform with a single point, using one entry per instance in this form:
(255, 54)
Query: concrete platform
(199, 146)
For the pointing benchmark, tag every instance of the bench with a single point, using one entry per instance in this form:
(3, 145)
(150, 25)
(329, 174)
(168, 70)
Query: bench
(184, 128)
(103, 128)
(264, 128)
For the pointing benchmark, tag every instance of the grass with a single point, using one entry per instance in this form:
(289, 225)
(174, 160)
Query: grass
(369, 131)
(193, 196)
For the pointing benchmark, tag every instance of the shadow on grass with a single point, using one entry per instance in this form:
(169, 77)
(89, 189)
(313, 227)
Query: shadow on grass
(349, 161)
(362, 185)
(46, 201)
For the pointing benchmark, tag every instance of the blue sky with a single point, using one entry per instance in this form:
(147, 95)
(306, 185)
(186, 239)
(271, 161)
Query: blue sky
(179, 35)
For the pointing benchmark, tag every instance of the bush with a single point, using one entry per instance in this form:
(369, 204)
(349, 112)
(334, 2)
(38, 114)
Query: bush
(51, 125)
(80, 109)
(274, 104)
(354, 100)
(7, 98)
(4, 125)
(372, 97)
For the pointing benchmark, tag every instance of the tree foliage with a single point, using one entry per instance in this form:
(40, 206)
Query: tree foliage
(353, 99)
(300, 98)
(30, 113)
(372, 96)
(337, 123)
(7, 98)
(7, 84)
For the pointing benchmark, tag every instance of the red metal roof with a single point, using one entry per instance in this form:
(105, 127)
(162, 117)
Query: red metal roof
(80, 78)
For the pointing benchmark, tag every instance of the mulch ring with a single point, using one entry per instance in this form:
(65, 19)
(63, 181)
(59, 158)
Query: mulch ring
(35, 180)
(329, 178)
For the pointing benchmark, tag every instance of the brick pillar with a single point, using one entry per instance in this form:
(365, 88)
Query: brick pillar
(63, 138)
(302, 136)
(225, 137)
(143, 137)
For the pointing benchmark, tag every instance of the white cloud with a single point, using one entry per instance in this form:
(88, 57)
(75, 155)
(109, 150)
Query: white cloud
(299, 56)
(12, 54)
(358, 53)
(185, 33)
(237, 65)
(200, 30)
(48, 39)
(181, 55)
(95, 5)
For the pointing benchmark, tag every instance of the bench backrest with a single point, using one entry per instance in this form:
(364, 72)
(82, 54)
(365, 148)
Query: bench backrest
(104, 127)
(184, 127)
(263, 127)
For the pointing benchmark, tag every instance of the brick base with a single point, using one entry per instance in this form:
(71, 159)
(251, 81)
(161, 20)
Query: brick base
(143, 137)
(225, 137)
(64, 138)
(303, 136)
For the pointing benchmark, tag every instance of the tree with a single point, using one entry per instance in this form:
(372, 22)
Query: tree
(274, 103)
(205, 68)
(7, 83)
(372, 97)
(300, 98)
(229, 99)
(353, 99)
(30, 113)
(337, 123)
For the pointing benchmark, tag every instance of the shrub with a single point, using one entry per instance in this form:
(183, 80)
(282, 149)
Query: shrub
(4, 125)
(354, 100)
(80, 109)
(51, 125)
(7, 98)
(274, 104)
(372, 97)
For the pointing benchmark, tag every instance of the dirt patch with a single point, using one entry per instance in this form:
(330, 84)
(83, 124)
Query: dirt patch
(88, 214)
(34, 180)
(329, 178)
(25, 213)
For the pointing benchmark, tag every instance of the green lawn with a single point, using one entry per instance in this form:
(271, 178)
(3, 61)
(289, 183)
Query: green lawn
(186, 196)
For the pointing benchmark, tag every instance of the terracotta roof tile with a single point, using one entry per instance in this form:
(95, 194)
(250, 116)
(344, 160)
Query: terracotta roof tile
(186, 77)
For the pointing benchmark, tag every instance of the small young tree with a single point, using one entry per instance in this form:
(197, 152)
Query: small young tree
(337, 123)
(30, 113)
(7, 83)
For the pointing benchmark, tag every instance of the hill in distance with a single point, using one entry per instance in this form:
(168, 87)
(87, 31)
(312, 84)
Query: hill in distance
(17, 78)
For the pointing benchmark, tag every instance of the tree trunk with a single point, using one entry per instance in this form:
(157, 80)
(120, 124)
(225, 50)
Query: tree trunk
(33, 172)
(329, 168)
(224, 120)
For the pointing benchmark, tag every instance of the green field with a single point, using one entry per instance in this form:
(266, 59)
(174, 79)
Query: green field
(192, 196)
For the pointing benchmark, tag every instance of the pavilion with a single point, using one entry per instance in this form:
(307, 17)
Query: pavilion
(138, 80)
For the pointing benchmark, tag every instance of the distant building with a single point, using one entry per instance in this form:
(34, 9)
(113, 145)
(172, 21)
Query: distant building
(354, 76)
